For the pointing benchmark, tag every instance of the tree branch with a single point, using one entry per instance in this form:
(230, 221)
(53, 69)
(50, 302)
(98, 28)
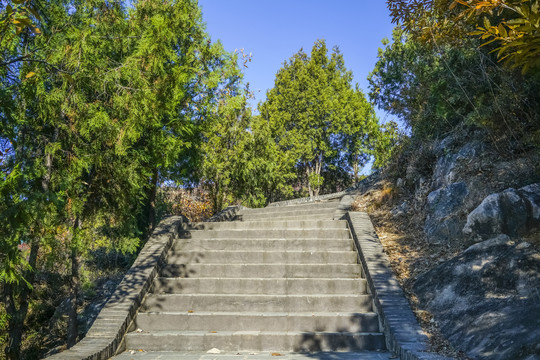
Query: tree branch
(28, 59)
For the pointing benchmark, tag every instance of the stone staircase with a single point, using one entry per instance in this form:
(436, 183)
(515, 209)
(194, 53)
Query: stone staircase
(277, 281)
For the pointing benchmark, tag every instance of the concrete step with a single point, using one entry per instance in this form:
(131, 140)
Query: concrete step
(257, 303)
(278, 209)
(269, 234)
(135, 354)
(273, 224)
(287, 213)
(260, 286)
(269, 270)
(256, 244)
(247, 321)
(326, 216)
(261, 257)
(255, 341)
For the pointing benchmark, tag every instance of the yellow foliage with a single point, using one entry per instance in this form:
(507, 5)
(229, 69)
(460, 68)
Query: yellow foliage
(518, 39)
(512, 25)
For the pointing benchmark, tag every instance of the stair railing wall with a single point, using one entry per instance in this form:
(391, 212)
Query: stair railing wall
(105, 337)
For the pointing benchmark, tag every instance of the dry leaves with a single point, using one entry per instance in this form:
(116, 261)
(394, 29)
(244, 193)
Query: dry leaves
(409, 254)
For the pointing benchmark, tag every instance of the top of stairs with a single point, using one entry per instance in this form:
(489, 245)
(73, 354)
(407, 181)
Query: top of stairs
(250, 355)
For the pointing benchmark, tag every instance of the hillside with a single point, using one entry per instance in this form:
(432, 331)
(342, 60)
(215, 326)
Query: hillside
(459, 219)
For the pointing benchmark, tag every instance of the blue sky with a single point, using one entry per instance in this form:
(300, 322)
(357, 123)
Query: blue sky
(274, 30)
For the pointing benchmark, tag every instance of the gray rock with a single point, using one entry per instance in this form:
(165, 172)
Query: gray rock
(486, 299)
(445, 145)
(447, 200)
(512, 212)
(58, 322)
(523, 245)
(449, 164)
(486, 218)
(487, 244)
(445, 216)
(531, 195)
(400, 210)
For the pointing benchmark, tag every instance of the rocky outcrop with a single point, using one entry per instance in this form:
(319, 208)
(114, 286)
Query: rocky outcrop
(445, 213)
(470, 191)
(450, 164)
(452, 181)
(511, 212)
(486, 300)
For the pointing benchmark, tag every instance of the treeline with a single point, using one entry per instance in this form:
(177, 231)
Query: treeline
(314, 132)
(100, 103)
(104, 102)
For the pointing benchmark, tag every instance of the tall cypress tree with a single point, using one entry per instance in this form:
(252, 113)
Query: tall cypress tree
(310, 109)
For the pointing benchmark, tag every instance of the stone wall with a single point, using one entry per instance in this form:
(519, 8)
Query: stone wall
(404, 337)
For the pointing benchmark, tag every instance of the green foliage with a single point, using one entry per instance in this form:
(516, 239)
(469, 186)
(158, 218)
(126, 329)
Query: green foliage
(225, 137)
(98, 107)
(386, 143)
(16, 17)
(434, 90)
(241, 163)
(316, 116)
(263, 168)
(3, 324)
(315, 180)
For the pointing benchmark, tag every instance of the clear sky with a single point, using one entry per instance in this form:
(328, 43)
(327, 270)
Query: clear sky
(274, 30)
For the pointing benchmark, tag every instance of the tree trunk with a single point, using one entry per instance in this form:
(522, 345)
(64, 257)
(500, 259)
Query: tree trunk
(152, 202)
(356, 169)
(216, 194)
(314, 167)
(310, 190)
(15, 325)
(73, 328)
(18, 316)
(318, 166)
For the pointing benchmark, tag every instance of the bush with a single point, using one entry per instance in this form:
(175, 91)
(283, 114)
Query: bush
(195, 204)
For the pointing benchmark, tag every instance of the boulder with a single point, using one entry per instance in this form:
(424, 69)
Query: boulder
(445, 213)
(512, 212)
(486, 300)
(400, 210)
(531, 195)
(450, 165)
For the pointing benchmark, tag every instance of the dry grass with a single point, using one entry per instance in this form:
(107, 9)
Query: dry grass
(409, 253)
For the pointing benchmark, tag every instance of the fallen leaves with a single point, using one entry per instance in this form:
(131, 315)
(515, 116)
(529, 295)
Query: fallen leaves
(133, 352)
(410, 255)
